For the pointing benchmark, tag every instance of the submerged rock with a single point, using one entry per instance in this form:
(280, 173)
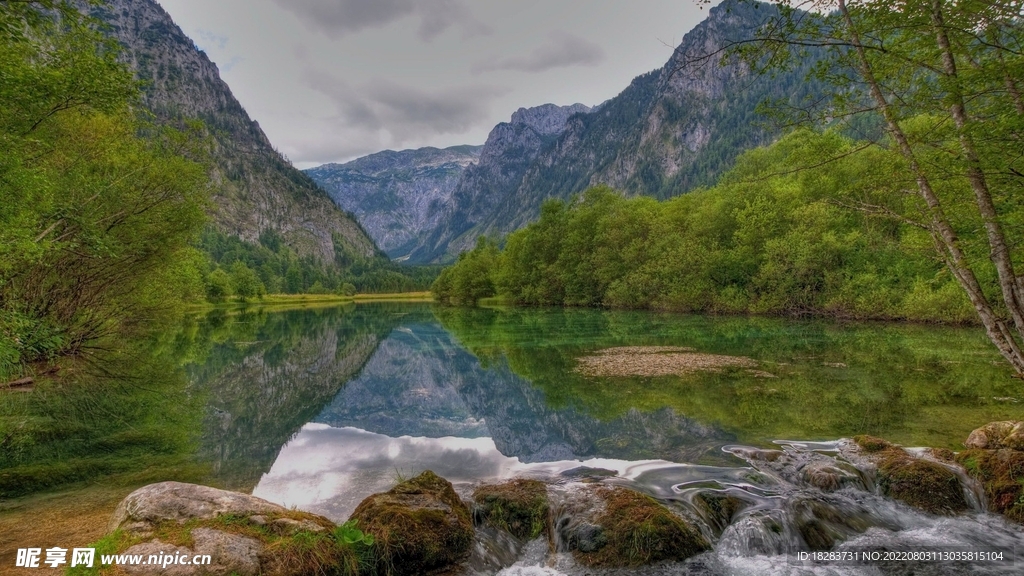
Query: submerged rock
(803, 467)
(520, 507)
(419, 526)
(588, 474)
(996, 435)
(822, 524)
(629, 529)
(718, 508)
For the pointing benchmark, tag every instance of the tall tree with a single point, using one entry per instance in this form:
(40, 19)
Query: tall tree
(943, 77)
(97, 206)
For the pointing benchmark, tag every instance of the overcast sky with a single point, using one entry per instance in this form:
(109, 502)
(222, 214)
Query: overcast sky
(332, 80)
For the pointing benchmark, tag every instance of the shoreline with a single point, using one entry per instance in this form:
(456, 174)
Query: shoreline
(278, 301)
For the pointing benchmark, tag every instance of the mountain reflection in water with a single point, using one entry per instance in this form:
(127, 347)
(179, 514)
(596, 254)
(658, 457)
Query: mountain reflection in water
(319, 409)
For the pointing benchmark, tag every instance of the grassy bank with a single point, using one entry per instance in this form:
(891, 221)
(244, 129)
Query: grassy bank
(312, 300)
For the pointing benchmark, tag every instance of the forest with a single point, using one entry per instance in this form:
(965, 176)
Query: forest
(768, 239)
(898, 197)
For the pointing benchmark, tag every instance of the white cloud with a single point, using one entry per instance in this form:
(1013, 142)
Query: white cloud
(561, 50)
(340, 17)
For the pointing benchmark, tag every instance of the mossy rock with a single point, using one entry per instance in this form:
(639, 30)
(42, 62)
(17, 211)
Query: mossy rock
(996, 435)
(420, 525)
(718, 508)
(1001, 472)
(922, 484)
(872, 444)
(822, 525)
(242, 534)
(637, 530)
(520, 507)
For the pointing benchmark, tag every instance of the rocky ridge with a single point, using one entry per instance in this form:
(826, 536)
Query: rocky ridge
(510, 150)
(255, 187)
(669, 131)
(397, 196)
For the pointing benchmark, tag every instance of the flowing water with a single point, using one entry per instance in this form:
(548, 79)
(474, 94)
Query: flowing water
(318, 409)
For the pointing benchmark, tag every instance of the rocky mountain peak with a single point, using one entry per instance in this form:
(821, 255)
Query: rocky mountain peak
(669, 131)
(547, 119)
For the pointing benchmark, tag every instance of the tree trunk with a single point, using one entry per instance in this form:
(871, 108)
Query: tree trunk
(943, 234)
(999, 252)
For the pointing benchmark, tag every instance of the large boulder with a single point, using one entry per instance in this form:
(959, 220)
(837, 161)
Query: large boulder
(1001, 473)
(927, 485)
(420, 525)
(626, 529)
(997, 435)
(520, 507)
(154, 504)
(242, 534)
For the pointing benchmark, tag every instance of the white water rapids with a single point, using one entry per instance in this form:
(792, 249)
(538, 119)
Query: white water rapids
(330, 470)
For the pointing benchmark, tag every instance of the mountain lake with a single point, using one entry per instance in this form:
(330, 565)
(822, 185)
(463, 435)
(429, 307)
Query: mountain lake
(319, 408)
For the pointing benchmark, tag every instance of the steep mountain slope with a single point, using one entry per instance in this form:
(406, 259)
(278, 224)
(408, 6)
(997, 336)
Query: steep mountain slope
(671, 130)
(397, 196)
(510, 150)
(256, 189)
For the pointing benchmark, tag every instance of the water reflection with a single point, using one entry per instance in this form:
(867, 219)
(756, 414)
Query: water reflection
(403, 372)
(326, 408)
(421, 382)
(330, 470)
(267, 374)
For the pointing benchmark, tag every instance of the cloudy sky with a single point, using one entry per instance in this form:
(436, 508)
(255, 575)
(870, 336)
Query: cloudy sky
(331, 80)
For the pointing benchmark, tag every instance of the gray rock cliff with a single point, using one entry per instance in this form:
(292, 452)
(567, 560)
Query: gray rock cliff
(256, 189)
(397, 196)
(510, 150)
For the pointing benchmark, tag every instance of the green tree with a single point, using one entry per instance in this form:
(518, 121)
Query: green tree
(471, 277)
(245, 283)
(293, 280)
(944, 78)
(218, 285)
(97, 206)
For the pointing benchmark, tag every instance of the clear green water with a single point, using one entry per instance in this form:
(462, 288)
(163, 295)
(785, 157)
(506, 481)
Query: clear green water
(217, 398)
(917, 385)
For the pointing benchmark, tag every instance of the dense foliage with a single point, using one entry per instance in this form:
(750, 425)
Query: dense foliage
(768, 239)
(944, 80)
(97, 207)
(245, 270)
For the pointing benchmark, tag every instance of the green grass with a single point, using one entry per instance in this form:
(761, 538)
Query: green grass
(283, 301)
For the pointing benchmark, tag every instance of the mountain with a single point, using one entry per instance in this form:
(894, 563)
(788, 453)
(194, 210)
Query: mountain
(669, 131)
(510, 150)
(256, 190)
(397, 196)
